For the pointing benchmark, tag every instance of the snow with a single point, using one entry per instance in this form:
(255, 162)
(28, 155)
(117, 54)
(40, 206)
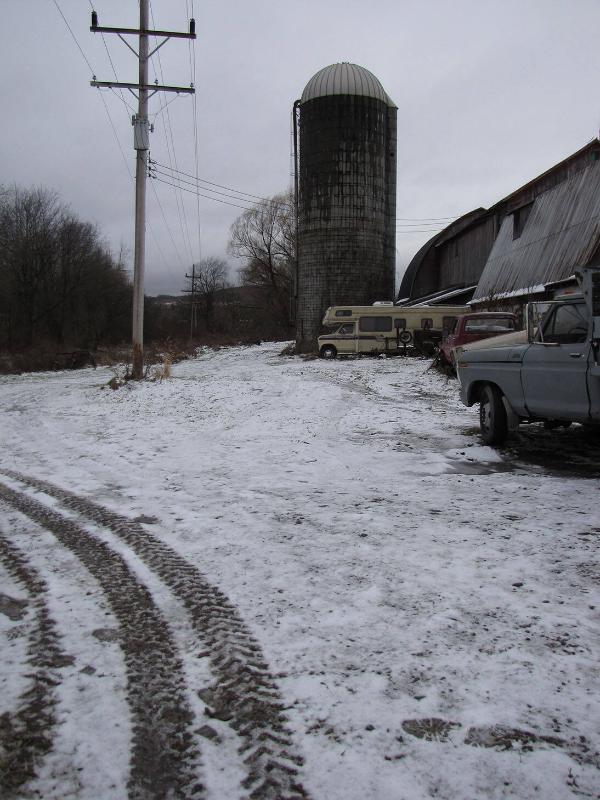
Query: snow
(391, 567)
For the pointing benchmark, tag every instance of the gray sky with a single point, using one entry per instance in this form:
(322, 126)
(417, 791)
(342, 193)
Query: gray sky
(489, 95)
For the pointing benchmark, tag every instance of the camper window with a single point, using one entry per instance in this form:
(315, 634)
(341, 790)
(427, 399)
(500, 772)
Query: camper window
(344, 312)
(400, 323)
(427, 324)
(371, 324)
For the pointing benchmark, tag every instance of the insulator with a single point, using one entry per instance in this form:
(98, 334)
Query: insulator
(192, 25)
(94, 19)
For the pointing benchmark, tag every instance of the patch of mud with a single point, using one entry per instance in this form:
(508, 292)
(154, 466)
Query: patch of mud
(570, 452)
(12, 608)
(468, 467)
(501, 737)
(432, 729)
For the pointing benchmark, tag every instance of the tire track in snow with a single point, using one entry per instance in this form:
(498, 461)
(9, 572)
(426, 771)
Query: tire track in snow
(245, 693)
(26, 733)
(163, 760)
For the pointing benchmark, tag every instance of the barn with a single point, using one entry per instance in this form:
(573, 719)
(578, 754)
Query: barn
(525, 246)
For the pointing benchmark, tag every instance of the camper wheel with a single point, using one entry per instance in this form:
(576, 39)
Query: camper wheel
(328, 351)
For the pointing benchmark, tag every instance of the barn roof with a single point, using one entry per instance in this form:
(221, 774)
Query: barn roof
(562, 231)
(458, 226)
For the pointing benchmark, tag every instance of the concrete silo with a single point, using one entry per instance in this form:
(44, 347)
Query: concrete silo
(346, 196)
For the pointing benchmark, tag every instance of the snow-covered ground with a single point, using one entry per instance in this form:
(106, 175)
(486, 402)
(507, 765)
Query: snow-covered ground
(427, 606)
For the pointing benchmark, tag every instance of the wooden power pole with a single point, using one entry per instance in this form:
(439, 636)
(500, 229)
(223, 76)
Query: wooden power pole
(141, 144)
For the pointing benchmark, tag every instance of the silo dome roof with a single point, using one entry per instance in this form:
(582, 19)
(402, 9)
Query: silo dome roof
(344, 78)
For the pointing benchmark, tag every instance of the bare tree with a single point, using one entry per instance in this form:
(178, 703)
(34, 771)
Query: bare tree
(58, 283)
(210, 277)
(264, 236)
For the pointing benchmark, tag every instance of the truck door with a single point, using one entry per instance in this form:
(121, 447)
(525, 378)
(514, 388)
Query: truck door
(554, 370)
(590, 283)
(346, 338)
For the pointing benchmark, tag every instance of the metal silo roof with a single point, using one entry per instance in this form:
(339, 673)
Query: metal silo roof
(345, 78)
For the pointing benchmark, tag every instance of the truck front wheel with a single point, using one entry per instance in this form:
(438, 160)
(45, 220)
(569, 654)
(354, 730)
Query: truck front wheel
(492, 415)
(328, 351)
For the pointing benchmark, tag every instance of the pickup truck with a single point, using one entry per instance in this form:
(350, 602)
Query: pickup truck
(549, 374)
(472, 328)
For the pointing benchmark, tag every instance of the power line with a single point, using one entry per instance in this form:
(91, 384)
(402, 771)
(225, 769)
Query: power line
(114, 130)
(75, 39)
(167, 225)
(179, 197)
(192, 52)
(220, 185)
(195, 191)
(118, 141)
(425, 219)
(192, 182)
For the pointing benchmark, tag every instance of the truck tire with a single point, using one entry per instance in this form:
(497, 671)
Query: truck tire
(492, 415)
(328, 351)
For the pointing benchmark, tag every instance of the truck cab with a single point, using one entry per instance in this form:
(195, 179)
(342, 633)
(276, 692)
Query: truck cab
(472, 328)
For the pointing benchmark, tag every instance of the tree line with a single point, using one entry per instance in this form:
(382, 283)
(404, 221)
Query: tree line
(62, 289)
(59, 284)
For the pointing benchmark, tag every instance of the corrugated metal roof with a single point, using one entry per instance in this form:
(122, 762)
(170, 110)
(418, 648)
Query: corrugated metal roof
(561, 232)
(454, 228)
(345, 78)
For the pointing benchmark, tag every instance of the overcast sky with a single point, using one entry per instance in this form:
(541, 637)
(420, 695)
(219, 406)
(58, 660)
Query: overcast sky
(489, 95)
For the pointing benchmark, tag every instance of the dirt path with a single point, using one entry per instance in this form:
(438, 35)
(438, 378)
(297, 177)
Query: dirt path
(244, 694)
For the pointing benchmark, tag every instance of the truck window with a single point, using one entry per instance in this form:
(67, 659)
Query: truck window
(567, 324)
(487, 325)
(347, 329)
(371, 324)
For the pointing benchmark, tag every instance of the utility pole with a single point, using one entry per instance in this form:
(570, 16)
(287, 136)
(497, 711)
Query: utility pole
(192, 291)
(141, 144)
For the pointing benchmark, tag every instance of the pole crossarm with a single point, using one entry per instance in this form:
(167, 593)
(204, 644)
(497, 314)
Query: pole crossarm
(142, 32)
(150, 87)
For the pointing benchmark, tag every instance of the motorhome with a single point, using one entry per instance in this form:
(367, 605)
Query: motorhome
(385, 328)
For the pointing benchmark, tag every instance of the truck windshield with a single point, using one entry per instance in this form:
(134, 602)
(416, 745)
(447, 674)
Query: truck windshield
(567, 324)
(487, 325)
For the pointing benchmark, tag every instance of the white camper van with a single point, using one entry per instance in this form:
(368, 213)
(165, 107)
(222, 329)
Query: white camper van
(385, 328)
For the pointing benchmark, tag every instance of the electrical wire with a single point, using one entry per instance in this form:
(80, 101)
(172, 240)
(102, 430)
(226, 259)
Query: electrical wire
(129, 109)
(195, 191)
(426, 219)
(75, 39)
(154, 169)
(167, 226)
(220, 185)
(173, 158)
(192, 54)
(114, 130)
(241, 195)
(85, 58)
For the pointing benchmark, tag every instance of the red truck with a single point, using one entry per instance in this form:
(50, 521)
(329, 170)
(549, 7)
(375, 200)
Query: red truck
(472, 327)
